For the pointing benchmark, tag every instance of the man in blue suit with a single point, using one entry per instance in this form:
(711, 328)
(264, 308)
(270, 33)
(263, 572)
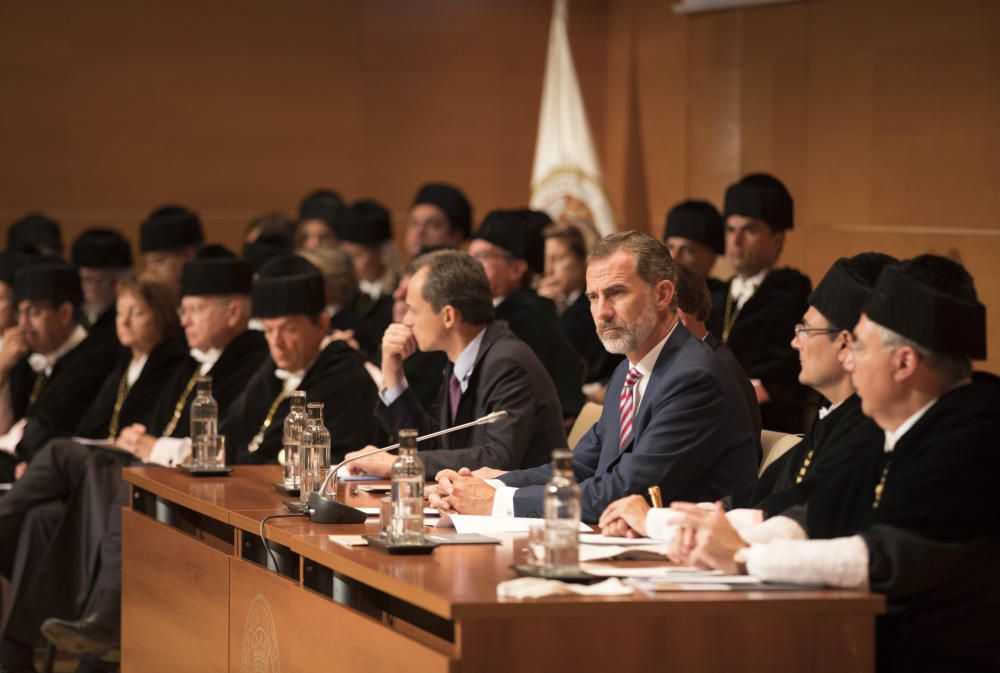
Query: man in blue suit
(681, 421)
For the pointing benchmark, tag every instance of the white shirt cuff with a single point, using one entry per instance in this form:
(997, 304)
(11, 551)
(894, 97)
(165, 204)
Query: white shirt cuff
(390, 395)
(742, 519)
(775, 528)
(9, 441)
(841, 562)
(170, 451)
(503, 499)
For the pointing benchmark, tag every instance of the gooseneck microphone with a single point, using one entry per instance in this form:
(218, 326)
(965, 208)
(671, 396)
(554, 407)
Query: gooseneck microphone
(321, 509)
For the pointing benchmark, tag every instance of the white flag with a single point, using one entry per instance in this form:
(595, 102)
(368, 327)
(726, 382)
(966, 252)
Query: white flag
(566, 180)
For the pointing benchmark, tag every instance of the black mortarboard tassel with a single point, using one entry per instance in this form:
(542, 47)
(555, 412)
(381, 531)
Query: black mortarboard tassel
(938, 321)
(266, 247)
(168, 228)
(762, 197)
(35, 232)
(216, 276)
(698, 221)
(512, 231)
(449, 199)
(101, 249)
(366, 222)
(288, 285)
(53, 281)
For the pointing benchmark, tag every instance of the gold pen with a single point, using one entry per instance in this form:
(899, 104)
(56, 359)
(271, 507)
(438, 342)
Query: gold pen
(655, 497)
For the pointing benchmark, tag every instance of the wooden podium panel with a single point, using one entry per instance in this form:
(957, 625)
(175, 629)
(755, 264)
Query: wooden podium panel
(275, 625)
(181, 622)
(696, 643)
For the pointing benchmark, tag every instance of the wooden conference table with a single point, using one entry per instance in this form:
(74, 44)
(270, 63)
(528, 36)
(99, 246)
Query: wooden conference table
(198, 596)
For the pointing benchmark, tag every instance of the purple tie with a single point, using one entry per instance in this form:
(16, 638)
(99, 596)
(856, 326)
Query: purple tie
(454, 395)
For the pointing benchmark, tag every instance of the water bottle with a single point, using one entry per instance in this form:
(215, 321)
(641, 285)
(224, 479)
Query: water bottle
(204, 425)
(314, 451)
(562, 516)
(295, 423)
(407, 493)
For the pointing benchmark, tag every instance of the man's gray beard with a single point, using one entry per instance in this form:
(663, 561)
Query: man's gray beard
(633, 335)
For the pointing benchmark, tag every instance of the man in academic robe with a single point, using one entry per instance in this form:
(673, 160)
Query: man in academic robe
(215, 309)
(288, 297)
(449, 308)
(40, 536)
(681, 422)
(695, 236)
(10, 262)
(366, 236)
(440, 216)
(511, 249)
(169, 238)
(756, 311)
(103, 257)
(835, 438)
(52, 367)
(911, 517)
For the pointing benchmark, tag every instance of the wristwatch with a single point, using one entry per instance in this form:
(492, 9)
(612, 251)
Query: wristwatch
(740, 558)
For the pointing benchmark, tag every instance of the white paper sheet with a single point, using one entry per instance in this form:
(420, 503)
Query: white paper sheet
(429, 512)
(469, 523)
(597, 538)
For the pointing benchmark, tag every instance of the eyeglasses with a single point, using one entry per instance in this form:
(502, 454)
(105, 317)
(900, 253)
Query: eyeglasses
(802, 332)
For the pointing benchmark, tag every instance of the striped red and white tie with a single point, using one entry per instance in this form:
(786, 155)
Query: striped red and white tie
(626, 407)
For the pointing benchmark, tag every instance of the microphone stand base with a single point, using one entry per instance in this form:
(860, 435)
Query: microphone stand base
(325, 510)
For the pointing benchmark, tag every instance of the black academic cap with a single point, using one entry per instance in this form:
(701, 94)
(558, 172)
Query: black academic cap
(215, 273)
(321, 204)
(54, 281)
(170, 227)
(842, 292)
(698, 221)
(267, 246)
(101, 249)
(288, 285)
(931, 301)
(10, 262)
(762, 197)
(366, 222)
(35, 232)
(449, 199)
(517, 234)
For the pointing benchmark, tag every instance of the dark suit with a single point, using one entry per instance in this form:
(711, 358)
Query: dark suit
(749, 393)
(693, 437)
(533, 320)
(761, 340)
(506, 376)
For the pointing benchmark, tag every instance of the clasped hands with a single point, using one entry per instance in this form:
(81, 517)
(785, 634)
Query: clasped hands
(705, 538)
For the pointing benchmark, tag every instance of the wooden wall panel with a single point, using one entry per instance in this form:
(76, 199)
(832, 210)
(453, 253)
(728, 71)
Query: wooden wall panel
(882, 117)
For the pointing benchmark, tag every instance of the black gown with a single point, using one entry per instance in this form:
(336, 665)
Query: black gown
(376, 315)
(577, 324)
(338, 379)
(62, 399)
(230, 373)
(140, 398)
(933, 537)
(533, 320)
(44, 517)
(830, 444)
(761, 340)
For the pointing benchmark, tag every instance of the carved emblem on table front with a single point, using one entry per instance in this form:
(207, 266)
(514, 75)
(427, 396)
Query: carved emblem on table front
(260, 641)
